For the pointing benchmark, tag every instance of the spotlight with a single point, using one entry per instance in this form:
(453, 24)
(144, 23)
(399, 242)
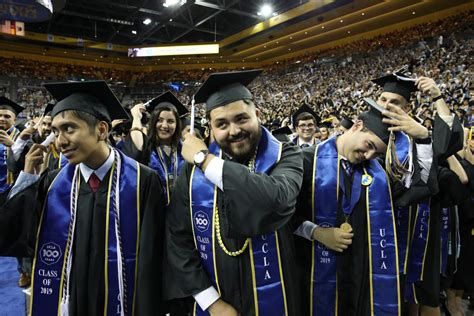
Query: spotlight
(172, 3)
(147, 21)
(266, 10)
(134, 32)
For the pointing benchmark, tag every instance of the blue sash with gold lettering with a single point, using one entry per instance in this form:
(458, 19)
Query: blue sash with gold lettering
(6, 177)
(268, 285)
(164, 171)
(49, 268)
(446, 244)
(383, 260)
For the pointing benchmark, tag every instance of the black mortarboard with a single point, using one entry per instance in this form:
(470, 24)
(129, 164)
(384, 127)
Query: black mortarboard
(92, 97)
(397, 83)
(327, 124)
(167, 99)
(346, 122)
(47, 110)
(186, 121)
(373, 120)
(282, 130)
(222, 88)
(305, 108)
(15, 107)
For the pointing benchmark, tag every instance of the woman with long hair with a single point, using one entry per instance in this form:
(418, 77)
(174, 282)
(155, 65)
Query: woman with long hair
(158, 146)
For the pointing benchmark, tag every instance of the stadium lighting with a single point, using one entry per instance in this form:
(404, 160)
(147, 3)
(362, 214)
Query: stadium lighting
(147, 21)
(171, 3)
(266, 10)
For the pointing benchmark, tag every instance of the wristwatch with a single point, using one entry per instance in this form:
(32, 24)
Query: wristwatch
(439, 97)
(199, 157)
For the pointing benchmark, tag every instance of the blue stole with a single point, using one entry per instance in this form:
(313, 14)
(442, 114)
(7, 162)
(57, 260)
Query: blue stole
(6, 177)
(267, 278)
(402, 148)
(383, 260)
(445, 239)
(164, 171)
(49, 267)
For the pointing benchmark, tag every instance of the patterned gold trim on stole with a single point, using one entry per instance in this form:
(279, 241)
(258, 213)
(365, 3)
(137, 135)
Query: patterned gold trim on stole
(214, 240)
(409, 240)
(138, 240)
(254, 281)
(40, 223)
(281, 274)
(427, 242)
(369, 239)
(394, 227)
(107, 219)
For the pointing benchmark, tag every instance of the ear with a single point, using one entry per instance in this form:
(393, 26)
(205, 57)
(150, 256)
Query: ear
(358, 125)
(103, 130)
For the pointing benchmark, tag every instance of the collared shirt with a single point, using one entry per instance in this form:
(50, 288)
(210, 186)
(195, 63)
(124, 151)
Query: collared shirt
(26, 179)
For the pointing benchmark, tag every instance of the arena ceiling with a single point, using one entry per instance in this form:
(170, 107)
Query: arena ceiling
(107, 28)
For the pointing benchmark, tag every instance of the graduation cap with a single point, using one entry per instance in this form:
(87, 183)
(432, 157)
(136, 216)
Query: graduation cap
(326, 124)
(222, 88)
(397, 83)
(92, 97)
(282, 134)
(167, 99)
(12, 106)
(373, 120)
(47, 110)
(186, 122)
(285, 130)
(346, 122)
(305, 109)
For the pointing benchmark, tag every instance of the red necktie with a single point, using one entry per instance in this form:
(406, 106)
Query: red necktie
(94, 182)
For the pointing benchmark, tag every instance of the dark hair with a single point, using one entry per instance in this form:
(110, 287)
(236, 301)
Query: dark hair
(7, 107)
(155, 115)
(90, 119)
(303, 117)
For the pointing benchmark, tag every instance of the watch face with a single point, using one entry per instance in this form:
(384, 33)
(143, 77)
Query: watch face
(199, 157)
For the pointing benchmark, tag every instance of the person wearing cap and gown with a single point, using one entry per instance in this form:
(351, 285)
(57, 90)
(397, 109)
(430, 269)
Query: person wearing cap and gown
(325, 129)
(415, 183)
(346, 124)
(305, 121)
(161, 148)
(95, 226)
(345, 225)
(8, 135)
(229, 242)
(199, 129)
(282, 134)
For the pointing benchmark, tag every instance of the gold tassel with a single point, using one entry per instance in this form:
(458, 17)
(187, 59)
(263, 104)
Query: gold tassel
(393, 166)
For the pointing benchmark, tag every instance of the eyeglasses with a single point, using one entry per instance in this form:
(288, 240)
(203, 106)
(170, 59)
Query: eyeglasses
(303, 126)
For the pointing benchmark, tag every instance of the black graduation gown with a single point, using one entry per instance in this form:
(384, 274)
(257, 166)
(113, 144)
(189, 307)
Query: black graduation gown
(352, 264)
(250, 205)
(18, 224)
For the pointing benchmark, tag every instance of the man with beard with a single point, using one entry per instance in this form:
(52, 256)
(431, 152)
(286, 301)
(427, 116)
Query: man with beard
(229, 243)
(305, 121)
(94, 227)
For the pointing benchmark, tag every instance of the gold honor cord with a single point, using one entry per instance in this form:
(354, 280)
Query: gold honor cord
(251, 167)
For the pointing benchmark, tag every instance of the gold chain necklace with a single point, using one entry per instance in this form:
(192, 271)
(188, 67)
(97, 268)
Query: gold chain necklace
(251, 167)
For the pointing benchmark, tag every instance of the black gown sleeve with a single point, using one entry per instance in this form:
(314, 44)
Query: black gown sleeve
(131, 150)
(303, 204)
(183, 274)
(19, 218)
(150, 257)
(274, 195)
